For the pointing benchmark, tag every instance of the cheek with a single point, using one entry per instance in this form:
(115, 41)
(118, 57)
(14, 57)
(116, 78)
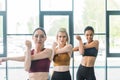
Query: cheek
(91, 36)
(66, 39)
(35, 39)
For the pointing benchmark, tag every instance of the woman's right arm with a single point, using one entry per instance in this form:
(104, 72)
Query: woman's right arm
(81, 45)
(27, 62)
(20, 58)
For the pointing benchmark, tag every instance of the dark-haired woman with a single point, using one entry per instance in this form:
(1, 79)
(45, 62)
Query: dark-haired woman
(37, 60)
(89, 51)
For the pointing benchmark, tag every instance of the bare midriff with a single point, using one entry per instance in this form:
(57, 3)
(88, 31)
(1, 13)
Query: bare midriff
(38, 76)
(88, 61)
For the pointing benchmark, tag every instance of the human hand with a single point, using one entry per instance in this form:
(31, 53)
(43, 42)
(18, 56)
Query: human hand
(0, 61)
(78, 37)
(28, 44)
(3, 59)
(54, 44)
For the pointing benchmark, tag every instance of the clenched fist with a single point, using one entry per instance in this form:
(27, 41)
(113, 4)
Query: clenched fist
(28, 44)
(54, 44)
(3, 59)
(78, 37)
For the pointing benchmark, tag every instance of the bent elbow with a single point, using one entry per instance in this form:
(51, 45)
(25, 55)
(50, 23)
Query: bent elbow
(26, 69)
(81, 52)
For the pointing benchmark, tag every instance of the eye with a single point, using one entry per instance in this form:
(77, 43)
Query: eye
(64, 36)
(59, 36)
(36, 36)
(40, 36)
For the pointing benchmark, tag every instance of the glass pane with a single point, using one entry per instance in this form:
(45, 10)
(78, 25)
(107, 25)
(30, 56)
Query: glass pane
(113, 68)
(16, 44)
(3, 71)
(52, 24)
(3, 66)
(18, 73)
(2, 5)
(1, 34)
(114, 34)
(85, 13)
(56, 5)
(100, 60)
(23, 16)
(113, 4)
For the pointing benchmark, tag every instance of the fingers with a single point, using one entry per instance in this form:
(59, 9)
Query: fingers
(55, 44)
(78, 37)
(0, 61)
(3, 59)
(28, 44)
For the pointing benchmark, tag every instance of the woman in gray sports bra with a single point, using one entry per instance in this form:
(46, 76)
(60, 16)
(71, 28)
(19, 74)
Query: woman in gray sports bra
(89, 51)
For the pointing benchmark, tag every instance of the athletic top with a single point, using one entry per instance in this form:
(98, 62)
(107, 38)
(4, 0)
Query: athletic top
(90, 52)
(41, 65)
(61, 59)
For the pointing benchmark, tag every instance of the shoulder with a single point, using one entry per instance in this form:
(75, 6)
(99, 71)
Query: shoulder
(69, 45)
(48, 49)
(96, 42)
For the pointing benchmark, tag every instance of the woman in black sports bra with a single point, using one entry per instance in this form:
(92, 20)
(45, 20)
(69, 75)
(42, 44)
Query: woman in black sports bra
(89, 51)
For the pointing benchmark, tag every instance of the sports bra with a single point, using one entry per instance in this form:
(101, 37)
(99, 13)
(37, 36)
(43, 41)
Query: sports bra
(41, 65)
(61, 59)
(90, 52)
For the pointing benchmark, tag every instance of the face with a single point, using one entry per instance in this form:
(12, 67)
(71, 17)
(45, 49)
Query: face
(89, 35)
(39, 37)
(62, 38)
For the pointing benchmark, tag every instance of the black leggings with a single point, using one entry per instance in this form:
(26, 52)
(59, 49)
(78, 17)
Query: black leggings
(85, 73)
(61, 76)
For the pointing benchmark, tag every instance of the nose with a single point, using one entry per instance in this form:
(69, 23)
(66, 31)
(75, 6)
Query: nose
(39, 38)
(62, 39)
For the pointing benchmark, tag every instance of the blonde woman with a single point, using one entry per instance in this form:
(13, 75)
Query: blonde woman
(62, 54)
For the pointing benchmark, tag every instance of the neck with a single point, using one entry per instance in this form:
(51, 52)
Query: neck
(39, 49)
(61, 45)
(90, 41)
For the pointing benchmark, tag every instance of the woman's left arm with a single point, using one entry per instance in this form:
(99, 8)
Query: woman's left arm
(47, 53)
(66, 49)
(94, 43)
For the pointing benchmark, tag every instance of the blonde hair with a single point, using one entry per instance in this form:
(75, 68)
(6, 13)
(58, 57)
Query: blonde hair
(63, 30)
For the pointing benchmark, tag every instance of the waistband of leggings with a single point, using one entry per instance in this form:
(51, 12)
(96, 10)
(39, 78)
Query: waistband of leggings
(85, 66)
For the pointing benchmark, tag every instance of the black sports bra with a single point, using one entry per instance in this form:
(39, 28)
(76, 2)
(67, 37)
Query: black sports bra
(90, 52)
